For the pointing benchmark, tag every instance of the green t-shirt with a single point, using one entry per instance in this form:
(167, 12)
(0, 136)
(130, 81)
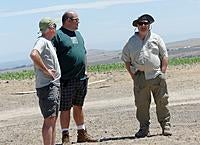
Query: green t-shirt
(71, 54)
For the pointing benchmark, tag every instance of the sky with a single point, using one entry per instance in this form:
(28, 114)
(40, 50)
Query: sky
(104, 24)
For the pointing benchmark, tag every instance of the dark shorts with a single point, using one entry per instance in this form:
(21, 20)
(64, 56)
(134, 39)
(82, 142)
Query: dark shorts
(73, 92)
(49, 100)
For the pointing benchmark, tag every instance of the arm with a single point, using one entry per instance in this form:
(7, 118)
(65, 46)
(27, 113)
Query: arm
(86, 68)
(163, 55)
(86, 61)
(126, 58)
(164, 64)
(35, 56)
(128, 64)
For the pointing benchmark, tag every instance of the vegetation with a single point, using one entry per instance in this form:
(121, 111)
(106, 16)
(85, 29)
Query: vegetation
(183, 61)
(106, 67)
(20, 75)
(29, 74)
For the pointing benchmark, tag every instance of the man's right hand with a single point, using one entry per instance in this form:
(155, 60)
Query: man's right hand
(51, 73)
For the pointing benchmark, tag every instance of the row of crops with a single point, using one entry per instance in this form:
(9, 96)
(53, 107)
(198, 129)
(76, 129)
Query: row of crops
(29, 74)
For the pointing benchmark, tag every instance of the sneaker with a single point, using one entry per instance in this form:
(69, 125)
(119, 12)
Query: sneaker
(143, 132)
(83, 136)
(166, 131)
(65, 138)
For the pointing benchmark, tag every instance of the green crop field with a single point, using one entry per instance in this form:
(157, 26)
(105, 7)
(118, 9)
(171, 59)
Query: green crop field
(29, 74)
(20, 75)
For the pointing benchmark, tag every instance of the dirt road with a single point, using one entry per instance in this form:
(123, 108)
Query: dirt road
(109, 110)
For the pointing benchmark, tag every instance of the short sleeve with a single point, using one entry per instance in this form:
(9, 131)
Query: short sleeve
(125, 53)
(162, 48)
(39, 45)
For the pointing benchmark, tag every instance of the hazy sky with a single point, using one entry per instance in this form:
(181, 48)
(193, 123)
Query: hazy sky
(104, 24)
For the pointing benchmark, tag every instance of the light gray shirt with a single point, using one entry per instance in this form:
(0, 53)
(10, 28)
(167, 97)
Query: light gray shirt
(49, 57)
(145, 55)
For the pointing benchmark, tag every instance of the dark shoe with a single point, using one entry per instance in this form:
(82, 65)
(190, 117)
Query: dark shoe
(166, 131)
(65, 138)
(83, 136)
(143, 132)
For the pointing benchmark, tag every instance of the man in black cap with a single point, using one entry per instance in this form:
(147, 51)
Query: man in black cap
(146, 59)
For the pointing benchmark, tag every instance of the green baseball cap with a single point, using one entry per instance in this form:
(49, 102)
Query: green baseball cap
(46, 23)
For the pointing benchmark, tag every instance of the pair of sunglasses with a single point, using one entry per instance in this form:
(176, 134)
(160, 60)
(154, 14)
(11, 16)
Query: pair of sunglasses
(143, 23)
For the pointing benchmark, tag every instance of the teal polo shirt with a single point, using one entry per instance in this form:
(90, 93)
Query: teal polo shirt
(71, 53)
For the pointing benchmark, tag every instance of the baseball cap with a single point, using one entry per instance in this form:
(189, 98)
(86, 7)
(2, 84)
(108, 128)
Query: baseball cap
(45, 23)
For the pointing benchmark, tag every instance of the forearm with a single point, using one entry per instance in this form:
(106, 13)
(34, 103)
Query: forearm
(128, 68)
(35, 56)
(86, 66)
(164, 64)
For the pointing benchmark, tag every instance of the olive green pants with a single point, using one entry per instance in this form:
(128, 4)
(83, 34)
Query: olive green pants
(142, 91)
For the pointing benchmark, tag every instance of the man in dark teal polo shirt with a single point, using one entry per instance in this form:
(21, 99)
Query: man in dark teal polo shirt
(71, 54)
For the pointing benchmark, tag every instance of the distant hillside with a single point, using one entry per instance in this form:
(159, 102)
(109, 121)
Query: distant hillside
(4, 66)
(184, 48)
(103, 56)
(195, 42)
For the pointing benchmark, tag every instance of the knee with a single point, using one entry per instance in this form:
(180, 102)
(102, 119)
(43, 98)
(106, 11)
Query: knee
(77, 107)
(142, 105)
(163, 101)
(49, 122)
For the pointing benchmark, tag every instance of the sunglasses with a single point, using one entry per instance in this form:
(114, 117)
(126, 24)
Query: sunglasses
(53, 26)
(143, 23)
(75, 19)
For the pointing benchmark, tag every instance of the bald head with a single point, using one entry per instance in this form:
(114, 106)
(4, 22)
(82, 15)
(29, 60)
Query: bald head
(69, 14)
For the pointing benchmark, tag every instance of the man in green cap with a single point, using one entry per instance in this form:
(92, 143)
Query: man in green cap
(48, 74)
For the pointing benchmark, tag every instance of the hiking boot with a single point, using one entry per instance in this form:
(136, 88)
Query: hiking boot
(83, 136)
(143, 132)
(166, 131)
(65, 138)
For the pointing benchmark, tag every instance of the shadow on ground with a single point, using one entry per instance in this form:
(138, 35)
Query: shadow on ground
(104, 139)
(124, 137)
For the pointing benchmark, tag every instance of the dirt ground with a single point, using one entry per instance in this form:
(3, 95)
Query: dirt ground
(109, 111)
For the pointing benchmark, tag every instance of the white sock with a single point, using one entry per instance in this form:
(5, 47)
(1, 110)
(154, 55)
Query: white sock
(65, 129)
(82, 126)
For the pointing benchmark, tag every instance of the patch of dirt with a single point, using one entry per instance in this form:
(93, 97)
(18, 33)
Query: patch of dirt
(109, 110)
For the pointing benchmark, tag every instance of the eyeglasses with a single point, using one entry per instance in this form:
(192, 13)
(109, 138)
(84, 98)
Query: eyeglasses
(143, 23)
(76, 19)
(53, 26)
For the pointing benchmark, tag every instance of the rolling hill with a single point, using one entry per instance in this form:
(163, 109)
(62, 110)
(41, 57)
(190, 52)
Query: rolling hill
(184, 48)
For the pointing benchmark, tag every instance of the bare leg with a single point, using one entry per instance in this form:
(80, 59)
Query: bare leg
(48, 130)
(78, 115)
(54, 134)
(65, 119)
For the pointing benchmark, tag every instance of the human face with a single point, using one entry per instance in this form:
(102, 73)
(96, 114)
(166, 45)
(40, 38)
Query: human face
(143, 27)
(74, 21)
(70, 20)
(52, 30)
